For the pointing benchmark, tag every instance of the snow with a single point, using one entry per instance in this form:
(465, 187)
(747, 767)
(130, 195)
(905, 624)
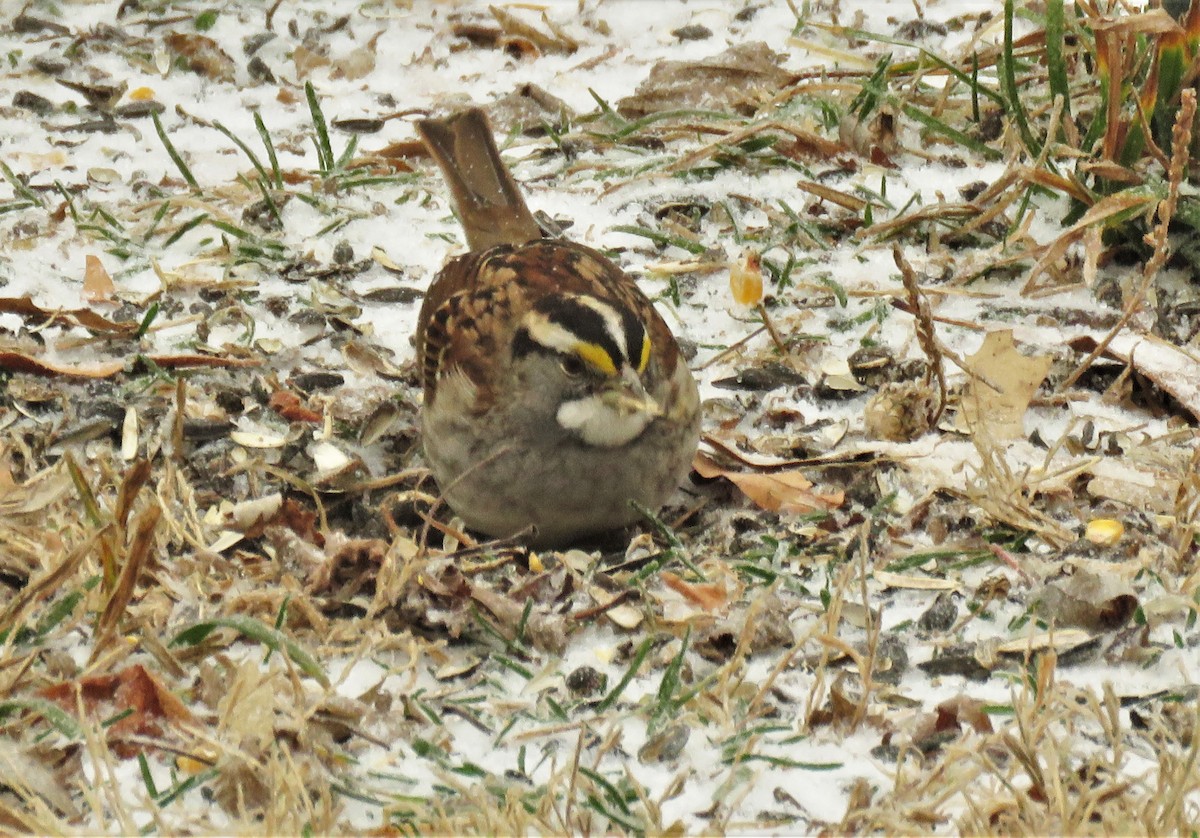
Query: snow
(420, 67)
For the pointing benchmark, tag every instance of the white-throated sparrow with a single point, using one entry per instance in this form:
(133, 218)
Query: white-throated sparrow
(554, 393)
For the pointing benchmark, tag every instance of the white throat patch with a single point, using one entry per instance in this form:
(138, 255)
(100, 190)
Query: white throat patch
(601, 424)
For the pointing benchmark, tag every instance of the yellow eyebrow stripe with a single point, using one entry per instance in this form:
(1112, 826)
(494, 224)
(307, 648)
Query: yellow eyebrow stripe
(595, 356)
(645, 358)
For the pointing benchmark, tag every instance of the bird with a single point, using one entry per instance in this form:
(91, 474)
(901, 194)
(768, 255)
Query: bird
(555, 397)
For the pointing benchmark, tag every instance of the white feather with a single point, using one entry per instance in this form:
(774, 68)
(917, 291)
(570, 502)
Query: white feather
(600, 424)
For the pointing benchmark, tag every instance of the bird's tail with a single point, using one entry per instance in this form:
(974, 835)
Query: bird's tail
(487, 199)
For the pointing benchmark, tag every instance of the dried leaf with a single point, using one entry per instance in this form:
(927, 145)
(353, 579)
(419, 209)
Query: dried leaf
(556, 42)
(874, 137)
(737, 79)
(18, 362)
(1087, 600)
(1002, 384)
(287, 404)
(914, 583)
(97, 284)
(358, 64)
(711, 596)
(779, 491)
(143, 703)
(84, 317)
(1060, 641)
(204, 56)
(29, 775)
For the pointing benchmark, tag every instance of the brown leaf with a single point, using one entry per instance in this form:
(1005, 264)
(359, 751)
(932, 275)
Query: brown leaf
(84, 317)
(710, 596)
(840, 709)
(357, 64)
(947, 721)
(287, 404)
(351, 566)
(401, 150)
(1087, 600)
(874, 137)
(134, 692)
(307, 60)
(953, 713)
(517, 30)
(97, 284)
(779, 491)
(27, 771)
(1002, 384)
(204, 56)
(188, 361)
(19, 362)
(733, 80)
(543, 628)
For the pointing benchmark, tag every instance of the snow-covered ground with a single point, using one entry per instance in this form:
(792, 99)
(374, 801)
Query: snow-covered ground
(759, 755)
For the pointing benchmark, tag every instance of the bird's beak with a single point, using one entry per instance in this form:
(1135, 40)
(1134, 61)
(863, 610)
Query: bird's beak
(627, 395)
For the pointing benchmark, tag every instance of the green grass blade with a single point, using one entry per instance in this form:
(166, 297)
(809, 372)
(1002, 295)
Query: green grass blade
(1056, 65)
(58, 718)
(1008, 81)
(265, 135)
(660, 238)
(936, 125)
(176, 158)
(260, 632)
(638, 657)
(325, 158)
(254, 161)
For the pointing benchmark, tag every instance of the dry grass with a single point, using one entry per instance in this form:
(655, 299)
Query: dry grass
(230, 600)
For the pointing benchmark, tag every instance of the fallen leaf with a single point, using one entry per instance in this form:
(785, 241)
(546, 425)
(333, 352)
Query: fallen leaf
(137, 697)
(555, 42)
(26, 773)
(1060, 641)
(732, 80)
(204, 56)
(950, 717)
(359, 63)
(307, 60)
(914, 583)
(19, 362)
(97, 284)
(874, 137)
(1088, 600)
(711, 596)
(779, 491)
(1002, 384)
(84, 317)
(287, 404)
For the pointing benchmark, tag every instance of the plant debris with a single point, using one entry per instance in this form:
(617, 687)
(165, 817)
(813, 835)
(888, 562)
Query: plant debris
(934, 569)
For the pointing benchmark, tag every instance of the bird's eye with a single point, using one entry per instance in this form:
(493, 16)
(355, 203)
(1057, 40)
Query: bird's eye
(572, 366)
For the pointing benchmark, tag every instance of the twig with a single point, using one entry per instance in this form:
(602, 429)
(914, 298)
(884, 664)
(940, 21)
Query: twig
(733, 347)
